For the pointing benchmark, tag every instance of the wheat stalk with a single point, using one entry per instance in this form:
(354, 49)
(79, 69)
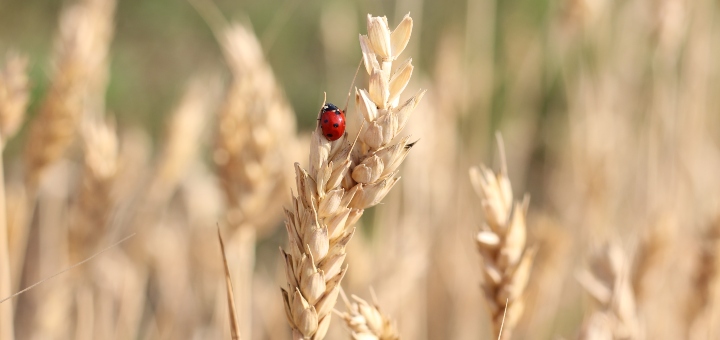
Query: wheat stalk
(366, 321)
(502, 245)
(14, 96)
(608, 282)
(333, 193)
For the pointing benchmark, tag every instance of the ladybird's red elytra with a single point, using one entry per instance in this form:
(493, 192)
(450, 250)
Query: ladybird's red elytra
(332, 122)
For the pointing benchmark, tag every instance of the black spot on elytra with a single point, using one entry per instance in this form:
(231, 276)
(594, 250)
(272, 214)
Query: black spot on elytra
(325, 121)
(336, 125)
(329, 134)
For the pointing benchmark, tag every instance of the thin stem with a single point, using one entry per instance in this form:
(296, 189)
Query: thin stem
(7, 331)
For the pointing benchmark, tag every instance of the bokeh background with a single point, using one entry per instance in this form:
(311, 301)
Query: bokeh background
(608, 112)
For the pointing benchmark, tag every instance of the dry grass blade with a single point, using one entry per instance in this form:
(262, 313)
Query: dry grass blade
(502, 324)
(68, 268)
(608, 282)
(366, 321)
(343, 181)
(502, 245)
(234, 327)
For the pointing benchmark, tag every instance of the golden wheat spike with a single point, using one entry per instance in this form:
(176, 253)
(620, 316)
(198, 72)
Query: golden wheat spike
(507, 260)
(343, 180)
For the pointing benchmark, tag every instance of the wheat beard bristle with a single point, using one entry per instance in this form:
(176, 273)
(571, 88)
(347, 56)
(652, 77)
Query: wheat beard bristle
(608, 282)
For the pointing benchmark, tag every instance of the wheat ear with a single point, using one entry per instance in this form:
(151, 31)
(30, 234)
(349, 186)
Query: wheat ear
(82, 45)
(366, 321)
(255, 134)
(608, 282)
(183, 136)
(704, 278)
(255, 139)
(502, 245)
(333, 193)
(95, 199)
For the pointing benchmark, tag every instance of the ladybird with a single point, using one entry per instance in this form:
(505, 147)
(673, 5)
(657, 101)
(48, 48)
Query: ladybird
(332, 122)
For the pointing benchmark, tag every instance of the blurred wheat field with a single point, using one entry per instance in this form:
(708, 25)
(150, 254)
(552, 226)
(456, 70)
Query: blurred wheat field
(561, 173)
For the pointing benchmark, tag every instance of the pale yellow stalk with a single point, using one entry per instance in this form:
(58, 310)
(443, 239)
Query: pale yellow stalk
(14, 95)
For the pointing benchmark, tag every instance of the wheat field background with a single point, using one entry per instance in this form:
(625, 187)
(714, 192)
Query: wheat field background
(539, 169)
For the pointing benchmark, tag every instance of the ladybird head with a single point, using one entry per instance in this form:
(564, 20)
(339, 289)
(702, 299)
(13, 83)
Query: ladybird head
(330, 107)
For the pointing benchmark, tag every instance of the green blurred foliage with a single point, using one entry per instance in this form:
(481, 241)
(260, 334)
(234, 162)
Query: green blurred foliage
(159, 44)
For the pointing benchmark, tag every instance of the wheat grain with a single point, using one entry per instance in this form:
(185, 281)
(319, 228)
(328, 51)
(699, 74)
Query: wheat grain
(502, 245)
(608, 282)
(366, 321)
(333, 193)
